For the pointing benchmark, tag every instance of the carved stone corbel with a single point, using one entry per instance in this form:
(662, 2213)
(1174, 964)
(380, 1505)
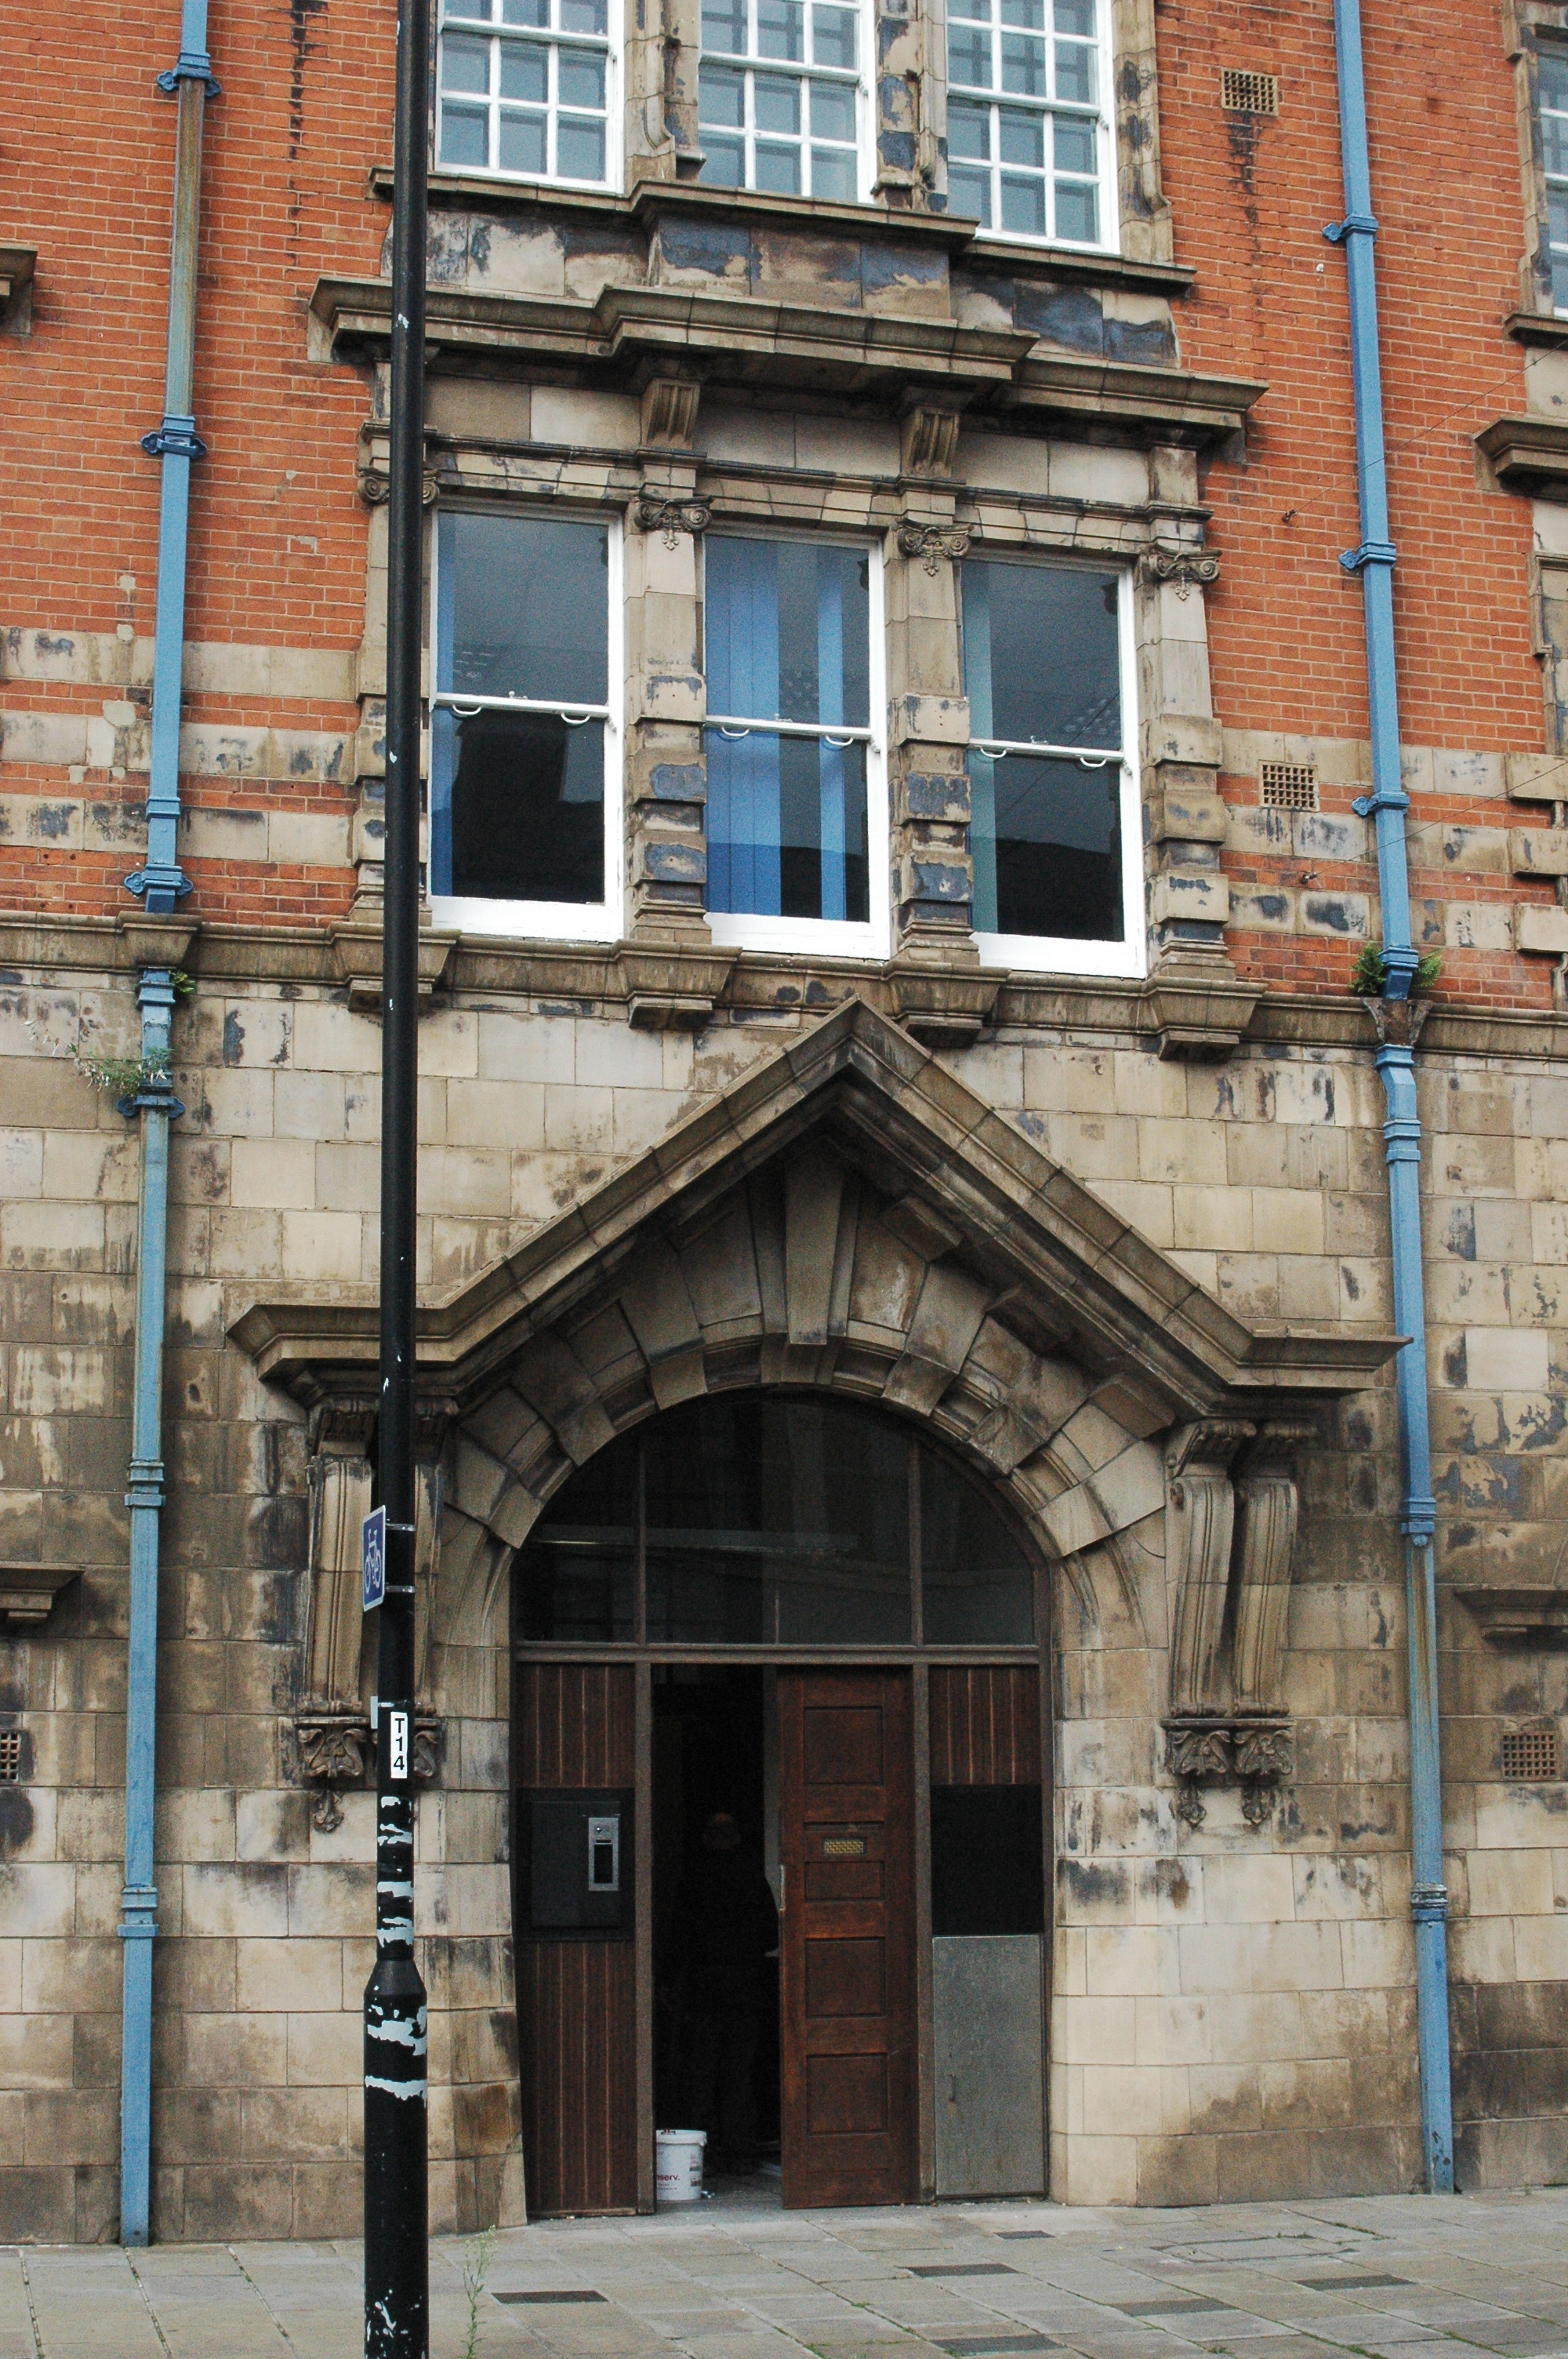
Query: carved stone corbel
(933, 542)
(928, 439)
(653, 511)
(1267, 1500)
(1200, 1521)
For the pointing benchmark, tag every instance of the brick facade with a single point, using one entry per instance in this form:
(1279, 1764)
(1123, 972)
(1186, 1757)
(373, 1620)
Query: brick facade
(1231, 1995)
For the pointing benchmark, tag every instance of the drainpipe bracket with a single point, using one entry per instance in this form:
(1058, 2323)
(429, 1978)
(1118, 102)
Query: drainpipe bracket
(1372, 552)
(1418, 1521)
(1385, 799)
(1429, 1903)
(145, 1476)
(1353, 225)
(192, 65)
(176, 438)
(138, 1903)
(150, 1102)
(161, 885)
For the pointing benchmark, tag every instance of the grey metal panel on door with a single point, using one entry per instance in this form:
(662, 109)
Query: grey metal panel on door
(989, 2084)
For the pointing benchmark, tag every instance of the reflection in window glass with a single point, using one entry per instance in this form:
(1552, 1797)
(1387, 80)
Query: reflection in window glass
(792, 128)
(976, 1588)
(1025, 130)
(522, 86)
(765, 1520)
(1554, 87)
(576, 1575)
(517, 795)
(1042, 669)
(787, 639)
(777, 1520)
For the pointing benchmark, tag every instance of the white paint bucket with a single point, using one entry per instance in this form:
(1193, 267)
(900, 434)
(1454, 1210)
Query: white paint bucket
(678, 2173)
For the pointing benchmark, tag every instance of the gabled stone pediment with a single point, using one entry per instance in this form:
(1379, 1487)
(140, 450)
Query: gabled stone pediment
(1004, 1236)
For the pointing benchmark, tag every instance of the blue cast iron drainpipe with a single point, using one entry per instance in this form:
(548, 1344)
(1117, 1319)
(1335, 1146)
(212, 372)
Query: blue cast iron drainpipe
(1385, 806)
(161, 883)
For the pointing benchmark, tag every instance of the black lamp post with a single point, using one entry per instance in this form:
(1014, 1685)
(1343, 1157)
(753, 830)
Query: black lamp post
(397, 2265)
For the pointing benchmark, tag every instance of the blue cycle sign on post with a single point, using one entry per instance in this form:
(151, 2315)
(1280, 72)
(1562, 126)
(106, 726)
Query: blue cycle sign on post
(372, 1561)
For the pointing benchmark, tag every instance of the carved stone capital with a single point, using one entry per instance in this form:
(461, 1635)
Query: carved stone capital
(655, 512)
(375, 487)
(1255, 1754)
(933, 542)
(1180, 568)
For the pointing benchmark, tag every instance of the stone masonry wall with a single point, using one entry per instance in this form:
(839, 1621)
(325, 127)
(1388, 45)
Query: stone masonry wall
(1233, 2006)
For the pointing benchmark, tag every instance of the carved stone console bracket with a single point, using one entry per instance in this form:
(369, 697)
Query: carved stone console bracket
(27, 1592)
(653, 512)
(356, 956)
(1178, 567)
(1255, 1752)
(338, 1748)
(932, 542)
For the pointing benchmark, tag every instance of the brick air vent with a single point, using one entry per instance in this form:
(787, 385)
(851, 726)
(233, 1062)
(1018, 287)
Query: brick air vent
(1289, 786)
(10, 1756)
(1531, 1755)
(1249, 94)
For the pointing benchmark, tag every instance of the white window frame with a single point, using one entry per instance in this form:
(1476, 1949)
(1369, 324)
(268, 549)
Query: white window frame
(1556, 184)
(1102, 114)
(556, 922)
(606, 44)
(1054, 954)
(827, 937)
(861, 76)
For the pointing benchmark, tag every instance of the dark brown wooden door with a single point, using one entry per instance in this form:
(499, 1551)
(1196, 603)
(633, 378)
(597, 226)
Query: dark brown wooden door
(847, 1845)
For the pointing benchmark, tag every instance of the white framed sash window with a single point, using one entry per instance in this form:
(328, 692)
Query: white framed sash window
(797, 822)
(528, 90)
(525, 725)
(1031, 146)
(782, 97)
(1056, 828)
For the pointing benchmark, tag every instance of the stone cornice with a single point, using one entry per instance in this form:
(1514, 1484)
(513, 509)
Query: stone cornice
(591, 974)
(1536, 328)
(651, 199)
(888, 1105)
(739, 341)
(1530, 454)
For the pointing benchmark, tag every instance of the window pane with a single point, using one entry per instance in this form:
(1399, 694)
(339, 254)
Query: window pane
(1559, 282)
(533, 13)
(1028, 15)
(1553, 77)
(516, 807)
(777, 1520)
(579, 149)
(580, 80)
(1046, 838)
(584, 16)
(968, 133)
(1024, 66)
(465, 135)
(465, 64)
(1075, 74)
(524, 73)
(781, 29)
(578, 1566)
(725, 162)
(1040, 654)
(524, 608)
(969, 56)
(1023, 141)
(833, 37)
(1077, 211)
(720, 99)
(1074, 147)
(724, 27)
(776, 103)
(1076, 16)
(978, 1589)
(832, 111)
(778, 170)
(787, 626)
(833, 174)
(969, 193)
(1024, 206)
(787, 828)
(523, 139)
(1554, 145)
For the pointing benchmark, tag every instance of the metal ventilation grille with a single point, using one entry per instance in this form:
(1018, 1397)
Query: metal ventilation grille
(10, 1756)
(1249, 94)
(1531, 1755)
(1289, 786)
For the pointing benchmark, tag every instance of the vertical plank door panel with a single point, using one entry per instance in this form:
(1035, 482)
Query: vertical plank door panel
(847, 1844)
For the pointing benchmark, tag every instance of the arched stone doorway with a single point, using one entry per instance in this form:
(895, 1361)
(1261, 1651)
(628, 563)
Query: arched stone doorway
(790, 1629)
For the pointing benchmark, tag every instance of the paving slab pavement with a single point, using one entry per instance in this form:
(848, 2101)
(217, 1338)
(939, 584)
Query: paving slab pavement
(1474, 2276)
